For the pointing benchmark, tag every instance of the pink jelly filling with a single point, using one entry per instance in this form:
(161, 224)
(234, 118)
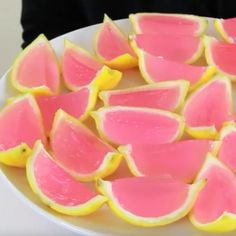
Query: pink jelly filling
(39, 68)
(181, 160)
(111, 43)
(228, 151)
(160, 24)
(157, 68)
(78, 68)
(178, 48)
(224, 56)
(129, 126)
(19, 123)
(162, 98)
(217, 196)
(74, 103)
(230, 27)
(149, 197)
(57, 185)
(212, 106)
(77, 148)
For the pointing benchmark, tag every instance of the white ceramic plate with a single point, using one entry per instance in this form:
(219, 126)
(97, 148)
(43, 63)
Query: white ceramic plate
(103, 222)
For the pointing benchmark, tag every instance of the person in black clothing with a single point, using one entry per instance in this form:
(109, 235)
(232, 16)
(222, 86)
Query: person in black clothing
(56, 17)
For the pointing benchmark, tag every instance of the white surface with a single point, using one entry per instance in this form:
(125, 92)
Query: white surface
(17, 219)
(10, 37)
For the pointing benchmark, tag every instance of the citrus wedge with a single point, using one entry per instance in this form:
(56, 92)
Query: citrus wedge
(112, 46)
(153, 69)
(227, 153)
(181, 160)
(178, 48)
(36, 69)
(215, 207)
(127, 125)
(20, 126)
(77, 104)
(208, 108)
(226, 29)
(58, 189)
(161, 23)
(221, 55)
(146, 201)
(152, 96)
(79, 151)
(80, 68)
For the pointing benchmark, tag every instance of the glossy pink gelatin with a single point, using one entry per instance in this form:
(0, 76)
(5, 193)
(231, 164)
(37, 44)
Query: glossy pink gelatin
(150, 196)
(39, 68)
(76, 148)
(137, 126)
(181, 160)
(227, 152)
(164, 24)
(161, 98)
(217, 196)
(74, 103)
(179, 48)
(229, 26)
(157, 67)
(58, 185)
(111, 43)
(224, 56)
(211, 106)
(20, 123)
(78, 68)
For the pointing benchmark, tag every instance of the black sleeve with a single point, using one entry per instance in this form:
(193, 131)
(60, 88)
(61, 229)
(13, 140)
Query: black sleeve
(51, 17)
